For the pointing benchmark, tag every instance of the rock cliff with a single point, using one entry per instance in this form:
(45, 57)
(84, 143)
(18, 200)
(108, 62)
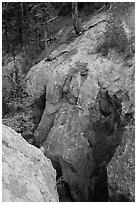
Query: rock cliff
(88, 100)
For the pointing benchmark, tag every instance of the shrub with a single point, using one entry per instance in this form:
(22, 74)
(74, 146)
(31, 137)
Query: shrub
(115, 36)
(21, 120)
(19, 116)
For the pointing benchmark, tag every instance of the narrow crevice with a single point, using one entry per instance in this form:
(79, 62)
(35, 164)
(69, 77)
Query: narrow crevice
(62, 186)
(110, 114)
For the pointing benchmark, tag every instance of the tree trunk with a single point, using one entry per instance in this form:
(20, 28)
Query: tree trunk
(7, 39)
(20, 24)
(75, 18)
(15, 76)
(45, 39)
(22, 19)
(25, 24)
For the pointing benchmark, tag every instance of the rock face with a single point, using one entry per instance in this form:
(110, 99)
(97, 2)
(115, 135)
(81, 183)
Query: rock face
(27, 175)
(89, 101)
(70, 151)
(121, 169)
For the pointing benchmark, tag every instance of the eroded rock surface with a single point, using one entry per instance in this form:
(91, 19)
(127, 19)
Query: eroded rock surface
(27, 175)
(89, 101)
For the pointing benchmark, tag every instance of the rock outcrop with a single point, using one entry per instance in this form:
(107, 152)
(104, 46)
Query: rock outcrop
(89, 99)
(27, 175)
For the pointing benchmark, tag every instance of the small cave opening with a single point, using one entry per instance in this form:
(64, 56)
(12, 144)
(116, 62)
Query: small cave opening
(38, 109)
(101, 185)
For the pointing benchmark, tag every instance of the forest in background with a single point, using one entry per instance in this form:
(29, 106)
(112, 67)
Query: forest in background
(24, 25)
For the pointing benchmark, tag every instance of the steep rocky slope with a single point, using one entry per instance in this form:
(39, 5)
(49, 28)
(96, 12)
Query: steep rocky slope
(88, 100)
(27, 175)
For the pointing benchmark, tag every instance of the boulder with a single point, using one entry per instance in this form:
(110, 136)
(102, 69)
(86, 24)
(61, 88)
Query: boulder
(27, 175)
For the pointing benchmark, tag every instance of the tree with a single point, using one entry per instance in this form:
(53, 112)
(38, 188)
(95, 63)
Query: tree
(12, 24)
(45, 39)
(40, 14)
(76, 21)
